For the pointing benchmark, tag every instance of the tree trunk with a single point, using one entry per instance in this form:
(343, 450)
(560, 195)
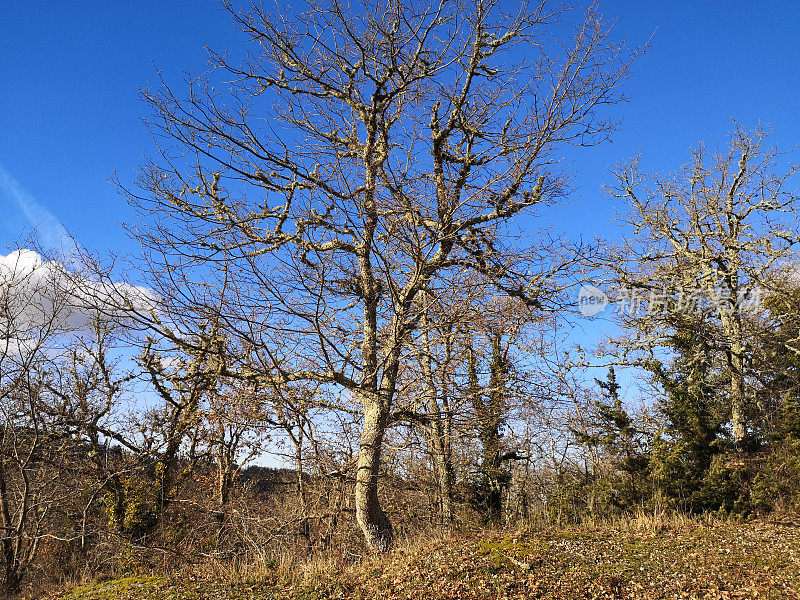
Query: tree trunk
(117, 488)
(437, 436)
(737, 398)
(224, 485)
(735, 361)
(12, 582)
(370, 516)
(166, 475)
(437, 432)
(492, 467)
(444, 476)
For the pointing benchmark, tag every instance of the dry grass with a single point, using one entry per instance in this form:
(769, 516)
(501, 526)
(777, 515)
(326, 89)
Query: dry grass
(643, 521)
(643, 557)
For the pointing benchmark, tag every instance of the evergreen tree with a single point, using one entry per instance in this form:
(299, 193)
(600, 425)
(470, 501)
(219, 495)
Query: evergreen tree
(612, 431)
(695, 412)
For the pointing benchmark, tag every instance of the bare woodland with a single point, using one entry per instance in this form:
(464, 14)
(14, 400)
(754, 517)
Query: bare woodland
(346, 262)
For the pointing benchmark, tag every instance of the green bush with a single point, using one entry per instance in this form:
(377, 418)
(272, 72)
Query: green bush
(777, 485)
(132, 509)
(726, 486)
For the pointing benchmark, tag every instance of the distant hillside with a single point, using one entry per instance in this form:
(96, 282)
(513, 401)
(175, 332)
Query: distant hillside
(266, 480)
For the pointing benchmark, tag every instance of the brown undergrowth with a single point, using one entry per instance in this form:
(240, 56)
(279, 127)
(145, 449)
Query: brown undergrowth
(638, 558)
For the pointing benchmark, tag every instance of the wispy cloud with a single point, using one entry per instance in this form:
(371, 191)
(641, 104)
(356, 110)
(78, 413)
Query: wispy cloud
(49, 229)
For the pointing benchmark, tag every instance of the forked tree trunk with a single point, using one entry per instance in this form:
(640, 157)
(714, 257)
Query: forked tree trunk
(370, 516)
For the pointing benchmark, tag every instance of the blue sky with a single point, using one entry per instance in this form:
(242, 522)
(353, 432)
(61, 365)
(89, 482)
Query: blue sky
(69, 74)
(71, 117)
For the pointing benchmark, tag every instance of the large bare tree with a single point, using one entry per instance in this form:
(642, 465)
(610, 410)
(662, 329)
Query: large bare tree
(706, 243)
(320, 186)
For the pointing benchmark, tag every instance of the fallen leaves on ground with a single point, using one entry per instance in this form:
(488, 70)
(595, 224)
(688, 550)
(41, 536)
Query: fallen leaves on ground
(724, 561)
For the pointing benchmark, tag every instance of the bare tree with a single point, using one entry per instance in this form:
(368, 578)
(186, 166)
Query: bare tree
(234, 433)
(184, 387)
(438, 405)
(356, 156)
(706, 241)
(38, 453)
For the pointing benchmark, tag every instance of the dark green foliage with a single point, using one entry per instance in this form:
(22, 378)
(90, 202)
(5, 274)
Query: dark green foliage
(619, 478)
(695, 462)
(695, 412)
(776, 486)
(132, 507)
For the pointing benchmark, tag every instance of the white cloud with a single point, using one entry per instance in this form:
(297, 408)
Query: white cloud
(47, 293)
(43, 303)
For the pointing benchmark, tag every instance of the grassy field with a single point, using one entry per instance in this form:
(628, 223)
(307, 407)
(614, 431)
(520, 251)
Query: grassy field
(633, 560)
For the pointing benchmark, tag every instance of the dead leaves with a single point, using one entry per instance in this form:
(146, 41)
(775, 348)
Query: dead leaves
(724, 562)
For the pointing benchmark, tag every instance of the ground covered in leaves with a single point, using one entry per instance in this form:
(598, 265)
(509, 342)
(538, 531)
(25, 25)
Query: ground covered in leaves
(753, 560)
